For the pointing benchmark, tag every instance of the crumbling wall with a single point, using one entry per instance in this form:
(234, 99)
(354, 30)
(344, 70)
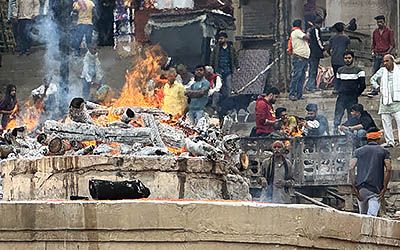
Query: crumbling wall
(167, 177)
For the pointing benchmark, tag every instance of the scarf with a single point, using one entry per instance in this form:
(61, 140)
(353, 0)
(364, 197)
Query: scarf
(387, 97)
(290, 42)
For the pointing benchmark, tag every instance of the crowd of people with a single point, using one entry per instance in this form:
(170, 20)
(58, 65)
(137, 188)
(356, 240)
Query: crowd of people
(187, 94)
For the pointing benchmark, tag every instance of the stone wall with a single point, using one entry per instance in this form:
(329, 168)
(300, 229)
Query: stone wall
(166, 177)
(150, 225)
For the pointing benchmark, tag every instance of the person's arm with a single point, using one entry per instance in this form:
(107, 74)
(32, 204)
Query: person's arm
(319, 41)
(392, 42)
(352, 175)
(376, 78)
(361, 82)
(323, 126)
(387, 175)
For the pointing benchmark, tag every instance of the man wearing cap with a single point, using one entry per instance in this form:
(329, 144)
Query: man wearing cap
(338, 44)
(224, 61)
(387, 80)
(316, 124)
(382, 42)
(374, 168)
(277, 180)
(265, 114)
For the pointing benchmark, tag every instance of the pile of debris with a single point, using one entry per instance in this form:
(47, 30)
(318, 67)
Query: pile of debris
(92, 129)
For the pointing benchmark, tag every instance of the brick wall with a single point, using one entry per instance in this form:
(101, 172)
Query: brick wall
(258, 17)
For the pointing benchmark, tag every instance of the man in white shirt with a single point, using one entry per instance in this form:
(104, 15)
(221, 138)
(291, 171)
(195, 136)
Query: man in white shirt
(214, 94)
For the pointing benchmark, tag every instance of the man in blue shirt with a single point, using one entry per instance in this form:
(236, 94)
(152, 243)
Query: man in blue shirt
(198, 94)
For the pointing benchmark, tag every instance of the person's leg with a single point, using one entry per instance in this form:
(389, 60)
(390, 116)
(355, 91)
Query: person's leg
(361, 137)
(16, 34)
(22, 35)
(215, 101)
(362, 206)
(28, 30)
(300, 85)
(312, 84)
(78, 37)
(349, 102)
(378, 59)
(88, 30)
(339, 111)
(296, 76)
(387, 128)
(373, 206)
(397, 118)
(85, 89)
(198, 115)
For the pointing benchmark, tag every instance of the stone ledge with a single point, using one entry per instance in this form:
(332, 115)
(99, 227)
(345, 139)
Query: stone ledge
(226, 225)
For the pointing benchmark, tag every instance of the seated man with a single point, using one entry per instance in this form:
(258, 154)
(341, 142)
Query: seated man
(214, 94)
(315, 125)
(279, 132)
(289, 122)
(358, 124)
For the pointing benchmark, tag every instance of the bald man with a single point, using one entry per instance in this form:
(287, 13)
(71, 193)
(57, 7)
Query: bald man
(387, 80)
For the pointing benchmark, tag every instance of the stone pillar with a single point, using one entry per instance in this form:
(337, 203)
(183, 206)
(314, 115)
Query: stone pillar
(237, 14)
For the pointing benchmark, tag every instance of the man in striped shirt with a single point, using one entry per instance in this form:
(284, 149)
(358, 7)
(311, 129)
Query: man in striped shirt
(350, 85)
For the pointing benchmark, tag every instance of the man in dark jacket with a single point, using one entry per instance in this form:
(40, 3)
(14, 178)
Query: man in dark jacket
(350, 85)
(316, 124)
(224, 61)
(317, 52)
(265, 114)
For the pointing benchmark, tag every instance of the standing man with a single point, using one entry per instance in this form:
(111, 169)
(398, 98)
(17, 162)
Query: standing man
(338, 44)
(25, 11)
(224, 61)
(265, 114)
(387, 79)
(382, 42)
(300, 51)
(175, 101)
(92, 72)
(198, 94)
(278, 174)
(373, 173)
(317, 52)
(85, 23)
(350, 85)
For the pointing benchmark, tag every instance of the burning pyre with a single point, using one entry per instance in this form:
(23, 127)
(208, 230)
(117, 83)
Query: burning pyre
(132, 124)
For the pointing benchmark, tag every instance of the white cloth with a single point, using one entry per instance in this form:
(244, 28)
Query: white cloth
(387, 126)
(217, 86)
(92, 71)
(388, 96)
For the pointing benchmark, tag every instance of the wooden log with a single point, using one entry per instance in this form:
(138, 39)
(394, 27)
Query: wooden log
(90, 132)
(171, 136)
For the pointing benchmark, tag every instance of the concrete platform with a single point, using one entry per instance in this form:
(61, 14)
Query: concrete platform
(170, 225)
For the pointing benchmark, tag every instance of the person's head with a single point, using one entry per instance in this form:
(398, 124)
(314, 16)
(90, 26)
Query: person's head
(209, 71)
(297, 23)
(11, 90)
(380, 21)
(77, 103)
(271, 94)
(312, 111)
(222, 38)
(339, 27)
(278, 148)
(388, 62)
(348, 57)
(181, 69)
(374, 135)
(280, 113)
(199, 71)
(171, 75)
(356, 110)
(318, 21)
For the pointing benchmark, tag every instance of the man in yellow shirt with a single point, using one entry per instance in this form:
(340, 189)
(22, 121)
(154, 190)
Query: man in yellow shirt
(175, 101)
(84, 28)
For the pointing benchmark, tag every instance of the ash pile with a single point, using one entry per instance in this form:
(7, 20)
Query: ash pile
(92, 129)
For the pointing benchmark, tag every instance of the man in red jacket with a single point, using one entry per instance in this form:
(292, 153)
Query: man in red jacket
(265, 114)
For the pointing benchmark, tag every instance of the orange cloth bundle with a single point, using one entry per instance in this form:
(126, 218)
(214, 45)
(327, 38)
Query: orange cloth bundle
(374, 135)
